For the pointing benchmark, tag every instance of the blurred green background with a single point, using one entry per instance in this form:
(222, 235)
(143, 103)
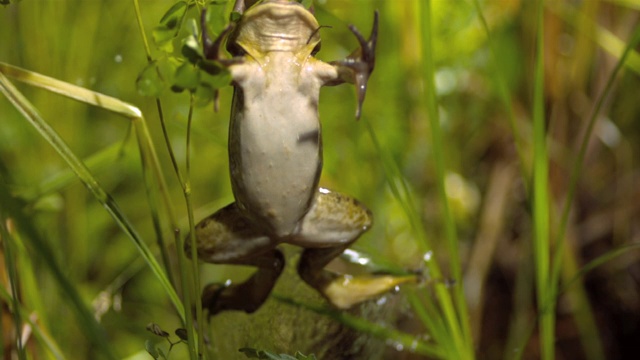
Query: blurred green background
(96, 44)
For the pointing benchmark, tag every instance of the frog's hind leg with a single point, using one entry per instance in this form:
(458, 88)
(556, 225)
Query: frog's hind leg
(251, 294)
(334, 222)
(227, 237)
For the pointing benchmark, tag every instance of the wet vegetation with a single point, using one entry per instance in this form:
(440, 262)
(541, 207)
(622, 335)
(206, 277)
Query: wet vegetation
(497, 150)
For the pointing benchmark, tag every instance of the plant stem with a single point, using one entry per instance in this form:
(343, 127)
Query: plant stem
(192, 237)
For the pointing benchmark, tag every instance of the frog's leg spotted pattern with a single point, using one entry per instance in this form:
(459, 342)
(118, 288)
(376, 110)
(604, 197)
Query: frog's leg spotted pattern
(226, 237)
(334, 222)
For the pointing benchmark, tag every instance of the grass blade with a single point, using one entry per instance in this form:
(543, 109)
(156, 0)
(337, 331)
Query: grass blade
(42, 336)
(577, 167)
(94, 332)
(31, 114)
(458, 319)
(10, 264)
(540, 201)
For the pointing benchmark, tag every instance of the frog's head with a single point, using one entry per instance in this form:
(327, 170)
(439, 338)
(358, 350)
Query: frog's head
(275, 25)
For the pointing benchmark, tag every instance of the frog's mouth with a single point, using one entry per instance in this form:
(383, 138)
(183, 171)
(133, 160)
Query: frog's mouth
(277, 26)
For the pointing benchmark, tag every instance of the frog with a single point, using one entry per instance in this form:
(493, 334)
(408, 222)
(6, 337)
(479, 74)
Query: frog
(275, 161)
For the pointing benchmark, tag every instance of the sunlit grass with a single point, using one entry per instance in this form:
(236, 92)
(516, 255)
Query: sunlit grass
(412, 134)
(12, 210)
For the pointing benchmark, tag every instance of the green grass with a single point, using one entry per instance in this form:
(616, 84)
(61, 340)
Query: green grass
(460, 91)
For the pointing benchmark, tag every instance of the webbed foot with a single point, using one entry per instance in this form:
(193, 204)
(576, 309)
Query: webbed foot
(334, 222)
(345, 291)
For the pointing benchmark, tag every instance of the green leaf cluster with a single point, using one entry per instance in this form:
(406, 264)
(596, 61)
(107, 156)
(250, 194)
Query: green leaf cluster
(152, 347)
(186, 68)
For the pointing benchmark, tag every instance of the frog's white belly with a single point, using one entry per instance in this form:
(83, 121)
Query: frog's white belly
(275, 155)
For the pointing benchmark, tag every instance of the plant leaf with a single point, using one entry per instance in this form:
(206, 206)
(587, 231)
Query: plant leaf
(235, 16)
(156, 330)
(216, 81)
(191, 50)
(163, 36)
(149, 82)
(150, 346)
(186, 77)
(215, 18)
(203, 95)
(182, 334)
(172, 17)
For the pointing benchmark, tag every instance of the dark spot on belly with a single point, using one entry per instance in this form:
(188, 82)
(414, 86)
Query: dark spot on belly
(311, 136)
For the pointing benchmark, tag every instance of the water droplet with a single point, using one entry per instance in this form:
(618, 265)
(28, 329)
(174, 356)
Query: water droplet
(394, 344)
(356, 257)
(608, 132)
(118, 58)
(427, 256)
(346, 279)
(117, 302)
(414, 345)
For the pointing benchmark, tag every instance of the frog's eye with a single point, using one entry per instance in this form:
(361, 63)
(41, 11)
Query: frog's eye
(314, 34)
(316, 49)
(234, 49)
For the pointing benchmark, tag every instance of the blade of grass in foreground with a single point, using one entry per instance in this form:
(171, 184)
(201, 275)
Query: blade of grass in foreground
(42, 336)
(31, 114)
(94, 332)
(458, 319)
(424, 307)
(540, 201)
(10, 265)
(114, 105)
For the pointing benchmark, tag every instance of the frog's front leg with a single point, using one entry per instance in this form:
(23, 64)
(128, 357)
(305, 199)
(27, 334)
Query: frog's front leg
(226, 237)
(357, 67)
(333, 223)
